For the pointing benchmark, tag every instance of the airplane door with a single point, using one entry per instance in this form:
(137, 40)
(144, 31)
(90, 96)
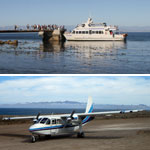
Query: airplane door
(54, 129)
(48, 124)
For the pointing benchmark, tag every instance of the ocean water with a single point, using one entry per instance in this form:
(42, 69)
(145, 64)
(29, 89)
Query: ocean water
(32, 56)
(42, 111)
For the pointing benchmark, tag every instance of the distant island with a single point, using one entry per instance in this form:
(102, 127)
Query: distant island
(72, 105)
(71, 27)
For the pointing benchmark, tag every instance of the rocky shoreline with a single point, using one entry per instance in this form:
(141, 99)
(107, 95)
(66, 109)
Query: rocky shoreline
(15, 42)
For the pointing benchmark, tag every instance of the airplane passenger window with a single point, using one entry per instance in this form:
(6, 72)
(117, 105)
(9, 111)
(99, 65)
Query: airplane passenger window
(58, 121)
(43, 120)
(48, 121)
(54, 121)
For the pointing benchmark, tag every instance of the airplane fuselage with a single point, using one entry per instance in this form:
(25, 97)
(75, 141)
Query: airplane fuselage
(56, 125)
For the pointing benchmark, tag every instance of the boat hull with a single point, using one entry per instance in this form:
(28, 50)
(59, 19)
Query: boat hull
(71, 37)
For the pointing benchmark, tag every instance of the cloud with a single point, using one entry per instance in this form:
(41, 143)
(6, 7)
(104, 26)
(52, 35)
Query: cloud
(105, 90)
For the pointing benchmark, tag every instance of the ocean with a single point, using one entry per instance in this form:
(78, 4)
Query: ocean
(42, 111)
(32, 56)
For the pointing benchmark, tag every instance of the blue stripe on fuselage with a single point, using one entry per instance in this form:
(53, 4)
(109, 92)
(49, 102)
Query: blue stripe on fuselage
(85, 120)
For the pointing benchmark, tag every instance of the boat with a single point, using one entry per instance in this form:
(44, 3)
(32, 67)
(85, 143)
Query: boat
(90, 31)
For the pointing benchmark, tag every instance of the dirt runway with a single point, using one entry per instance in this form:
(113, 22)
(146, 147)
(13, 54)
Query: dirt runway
(109, 134)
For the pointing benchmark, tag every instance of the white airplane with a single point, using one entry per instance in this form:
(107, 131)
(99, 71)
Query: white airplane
(49, 125)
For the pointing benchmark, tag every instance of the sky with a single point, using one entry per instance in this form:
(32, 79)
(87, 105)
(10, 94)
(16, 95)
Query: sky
(104, 90)
(72, 12)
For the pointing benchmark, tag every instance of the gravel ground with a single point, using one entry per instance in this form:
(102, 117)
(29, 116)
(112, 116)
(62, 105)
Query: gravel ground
(107, 134)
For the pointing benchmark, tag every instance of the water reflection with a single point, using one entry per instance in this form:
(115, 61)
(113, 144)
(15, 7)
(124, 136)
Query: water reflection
(107, 45)
(90, 50)
(54, 46)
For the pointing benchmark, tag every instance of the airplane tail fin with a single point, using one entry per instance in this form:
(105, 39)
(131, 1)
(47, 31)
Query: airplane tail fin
(89, 107)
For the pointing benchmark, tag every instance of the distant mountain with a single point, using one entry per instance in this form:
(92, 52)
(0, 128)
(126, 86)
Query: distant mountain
(134, 29)
(72, 105)
(71, 27)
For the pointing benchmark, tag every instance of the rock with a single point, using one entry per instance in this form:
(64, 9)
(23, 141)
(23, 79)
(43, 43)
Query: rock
(15, 42)
(7, 42)
(1, 42)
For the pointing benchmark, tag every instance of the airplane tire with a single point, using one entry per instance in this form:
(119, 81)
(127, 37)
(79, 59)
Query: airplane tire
(80, 135)
(33, 139)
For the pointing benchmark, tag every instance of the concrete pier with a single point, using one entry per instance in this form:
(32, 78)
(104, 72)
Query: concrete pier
(53, 35)
(47, 35)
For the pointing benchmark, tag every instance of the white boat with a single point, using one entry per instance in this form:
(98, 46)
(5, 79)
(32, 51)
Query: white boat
(90, 31)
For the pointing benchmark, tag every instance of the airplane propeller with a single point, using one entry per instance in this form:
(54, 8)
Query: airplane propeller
(37, 117)
(71, 116)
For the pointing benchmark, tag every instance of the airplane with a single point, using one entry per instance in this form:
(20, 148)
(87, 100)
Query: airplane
(50, 125)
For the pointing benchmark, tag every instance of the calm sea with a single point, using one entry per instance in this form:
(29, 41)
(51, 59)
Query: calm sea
(31, 56)
(35, 111)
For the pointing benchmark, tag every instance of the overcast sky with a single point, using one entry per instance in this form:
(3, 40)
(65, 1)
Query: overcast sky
(104, 90)
(72, 12)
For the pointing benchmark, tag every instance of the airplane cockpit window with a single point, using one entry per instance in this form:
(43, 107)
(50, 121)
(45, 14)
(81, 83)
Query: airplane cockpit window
(48, 121)
(43, 120)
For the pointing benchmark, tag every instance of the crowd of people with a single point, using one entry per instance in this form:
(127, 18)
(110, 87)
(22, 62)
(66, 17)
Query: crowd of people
(41, 27)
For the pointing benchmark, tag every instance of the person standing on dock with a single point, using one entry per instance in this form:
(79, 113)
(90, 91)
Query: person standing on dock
(28, 27)
(15, 27)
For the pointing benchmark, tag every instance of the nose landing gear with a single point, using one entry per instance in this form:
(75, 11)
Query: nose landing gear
(33, 139)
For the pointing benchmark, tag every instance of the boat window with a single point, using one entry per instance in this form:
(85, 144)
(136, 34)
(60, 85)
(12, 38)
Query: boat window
(93, 32)
(43, 120)
(100, 32)
(76, 32)
(54, 121)
(79, 32)
(73, 32)
(96, 32)
(83, 25)
(48, 121)
(83, 32)
(90, 32)
(87, 32)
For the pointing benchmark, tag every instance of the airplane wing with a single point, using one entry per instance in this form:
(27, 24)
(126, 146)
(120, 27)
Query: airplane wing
(106, 113)
(15, 118)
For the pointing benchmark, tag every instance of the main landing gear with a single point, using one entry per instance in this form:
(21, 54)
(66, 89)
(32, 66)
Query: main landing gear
(80, 133)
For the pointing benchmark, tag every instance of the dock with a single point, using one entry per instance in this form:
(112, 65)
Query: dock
(47, 35)
(17, 31)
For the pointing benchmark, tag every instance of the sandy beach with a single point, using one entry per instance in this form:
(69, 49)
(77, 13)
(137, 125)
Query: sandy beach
(100, 134)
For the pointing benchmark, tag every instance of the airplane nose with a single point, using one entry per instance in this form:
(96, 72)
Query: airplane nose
(31, 128)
